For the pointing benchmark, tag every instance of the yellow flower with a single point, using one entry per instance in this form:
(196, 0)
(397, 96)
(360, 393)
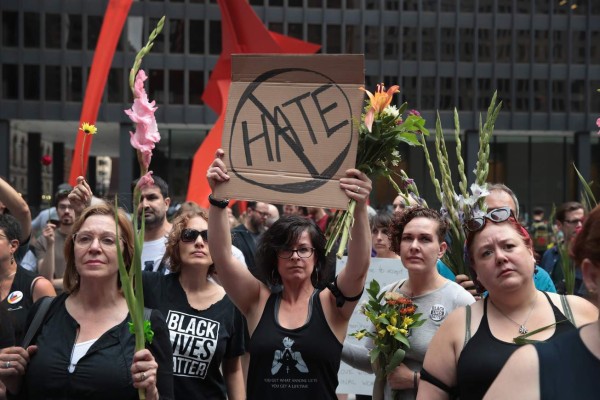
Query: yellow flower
(407, 321)
(392, 330)
(88, 129)
(392, 295)
(381, 333)
(360, 335)
(403, 331)
(393, 320)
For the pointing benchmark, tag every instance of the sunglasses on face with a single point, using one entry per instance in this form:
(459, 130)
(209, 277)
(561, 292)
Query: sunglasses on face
(496, 215)
(190, 235)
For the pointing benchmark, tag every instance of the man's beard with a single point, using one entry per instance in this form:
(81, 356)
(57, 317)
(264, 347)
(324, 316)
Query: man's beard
(257, 225)
(151, 220)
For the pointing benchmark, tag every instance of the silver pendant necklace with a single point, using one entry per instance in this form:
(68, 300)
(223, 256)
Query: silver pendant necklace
(522, 328)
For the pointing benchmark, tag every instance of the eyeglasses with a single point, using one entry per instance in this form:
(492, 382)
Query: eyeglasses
(85, 240)
(262, 214)
(575, 221)
(190, 235)
(496, 215)
(303, 252)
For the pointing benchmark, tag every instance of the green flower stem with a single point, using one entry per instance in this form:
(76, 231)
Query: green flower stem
(463, 184)
(144, 51)
(434, 180)
(347, 221)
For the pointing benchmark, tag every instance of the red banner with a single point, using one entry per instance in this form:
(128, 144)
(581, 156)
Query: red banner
(112, 25)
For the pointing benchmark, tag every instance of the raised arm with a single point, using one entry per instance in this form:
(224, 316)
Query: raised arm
(241, 286)
(351, 279)
(18, 208)
(81, 196)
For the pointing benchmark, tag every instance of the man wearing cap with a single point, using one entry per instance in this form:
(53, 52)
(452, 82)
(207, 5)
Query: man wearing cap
(49, 248)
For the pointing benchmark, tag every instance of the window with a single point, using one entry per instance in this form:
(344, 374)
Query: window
(559, 46)
(74, 32)
(214, 35)
(115, 85)
(295, 31)
(94, 24)
(31, 30)
(485, 45)
(176, 87)
(486, 6)
(428, 93)
(578, 96)
(428, 44)
(448, 5)
(314, 33)
(408, 90)
(540, 93)
(276, 27)
(176, 35)
(447, 93)
(156, 85)
(541, 44)
(52, 31)
(522, 95)
(53, 83)
(74, 83)
(334, 39)
(372, 42)
(504, 93)
(409, 44)
(467, 5)
(594, 95)
(578, 47)
(465, 94)
(391, 39)
(559, 96)
(10, 28)
(595, 48)
(523, 46)
(485, 93)
(10, 81)
(196, 36)
(466, 44)
(503, 45)
(448, 44)
(31, 85)
(353, 42)
(195, 87)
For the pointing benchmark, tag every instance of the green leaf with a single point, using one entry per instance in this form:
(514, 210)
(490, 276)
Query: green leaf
(402, 339)
(395, 360)
(148, 332)
(374, 354)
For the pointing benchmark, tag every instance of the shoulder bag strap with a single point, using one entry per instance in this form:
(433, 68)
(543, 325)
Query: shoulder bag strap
(36, 323)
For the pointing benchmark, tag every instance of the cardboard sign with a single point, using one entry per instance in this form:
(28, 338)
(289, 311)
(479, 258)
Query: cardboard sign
(291, 127)
(385, 271)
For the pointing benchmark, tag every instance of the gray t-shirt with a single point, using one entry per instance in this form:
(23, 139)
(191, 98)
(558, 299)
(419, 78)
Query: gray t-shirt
(435, 307)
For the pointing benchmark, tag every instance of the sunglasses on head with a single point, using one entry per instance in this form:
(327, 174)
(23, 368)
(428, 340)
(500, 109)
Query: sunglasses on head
(496, 215)
(190, 235)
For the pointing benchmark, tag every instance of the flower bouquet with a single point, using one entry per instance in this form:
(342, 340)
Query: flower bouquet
(392, 316)
(381, 132)
(457, 208)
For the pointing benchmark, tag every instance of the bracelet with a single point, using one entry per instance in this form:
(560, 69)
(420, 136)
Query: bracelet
(415, 381)
(218, 203)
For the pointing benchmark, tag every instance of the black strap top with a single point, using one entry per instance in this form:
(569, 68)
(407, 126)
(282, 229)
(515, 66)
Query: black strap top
(484, 355)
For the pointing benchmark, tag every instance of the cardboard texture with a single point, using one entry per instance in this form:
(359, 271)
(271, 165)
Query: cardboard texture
(291, 127)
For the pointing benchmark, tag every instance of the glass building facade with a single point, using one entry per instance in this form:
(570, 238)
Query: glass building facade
(541, 56)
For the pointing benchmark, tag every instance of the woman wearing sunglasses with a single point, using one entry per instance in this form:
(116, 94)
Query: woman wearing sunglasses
(296, 334)
(206, 330)
(471, 347)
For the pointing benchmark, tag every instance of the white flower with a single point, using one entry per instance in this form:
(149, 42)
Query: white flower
(478, 191)
(391, 111)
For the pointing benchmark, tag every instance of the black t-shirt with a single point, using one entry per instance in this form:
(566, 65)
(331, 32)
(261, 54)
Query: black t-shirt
(19, 301)
(293, 364)
(200, 339)
(568, 370)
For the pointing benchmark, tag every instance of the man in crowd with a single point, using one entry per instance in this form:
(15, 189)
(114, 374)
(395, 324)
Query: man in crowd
(12, 203)
(49, 249)
(153, 207)
(569, 218)
(502, 196)
(245, 236)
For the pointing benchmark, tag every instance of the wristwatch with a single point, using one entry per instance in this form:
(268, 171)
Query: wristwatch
(218, 203)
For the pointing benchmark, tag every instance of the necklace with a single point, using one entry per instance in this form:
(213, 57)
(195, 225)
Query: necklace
(522, 328)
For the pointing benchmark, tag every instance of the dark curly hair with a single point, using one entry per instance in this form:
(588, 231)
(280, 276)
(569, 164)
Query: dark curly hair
(281, 235)
(173, 240)
(400, 221)
(10, 226)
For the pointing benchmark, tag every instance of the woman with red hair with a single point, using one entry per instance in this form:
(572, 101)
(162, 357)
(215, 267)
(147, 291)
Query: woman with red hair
(474, 343)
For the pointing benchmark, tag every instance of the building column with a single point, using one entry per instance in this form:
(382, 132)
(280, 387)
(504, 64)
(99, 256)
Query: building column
(5, 149)
(58, 164)
(126, 163)
(583, 159)
(34, 171)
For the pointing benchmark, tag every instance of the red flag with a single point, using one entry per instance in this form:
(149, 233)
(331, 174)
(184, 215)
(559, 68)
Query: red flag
(241, 32)
(112, 25)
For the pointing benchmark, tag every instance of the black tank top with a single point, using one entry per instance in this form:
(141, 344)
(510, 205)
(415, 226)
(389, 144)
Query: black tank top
(484, 356)
(568, 370)
(19, 300)
(297, 363)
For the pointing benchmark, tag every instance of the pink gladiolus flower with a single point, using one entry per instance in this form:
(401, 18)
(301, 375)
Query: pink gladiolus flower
(142, 114)
(145, 180)
(414, 112)
(378, 101)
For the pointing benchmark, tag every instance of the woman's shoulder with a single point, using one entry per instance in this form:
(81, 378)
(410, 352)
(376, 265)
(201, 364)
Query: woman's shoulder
(583, 311)
(461, 296)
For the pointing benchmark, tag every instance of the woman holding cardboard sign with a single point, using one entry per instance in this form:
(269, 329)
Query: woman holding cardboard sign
(296, 334)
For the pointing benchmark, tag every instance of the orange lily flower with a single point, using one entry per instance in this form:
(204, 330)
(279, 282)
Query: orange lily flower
(378, 101)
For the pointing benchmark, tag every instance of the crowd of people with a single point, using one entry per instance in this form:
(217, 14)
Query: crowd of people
(252, 307)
